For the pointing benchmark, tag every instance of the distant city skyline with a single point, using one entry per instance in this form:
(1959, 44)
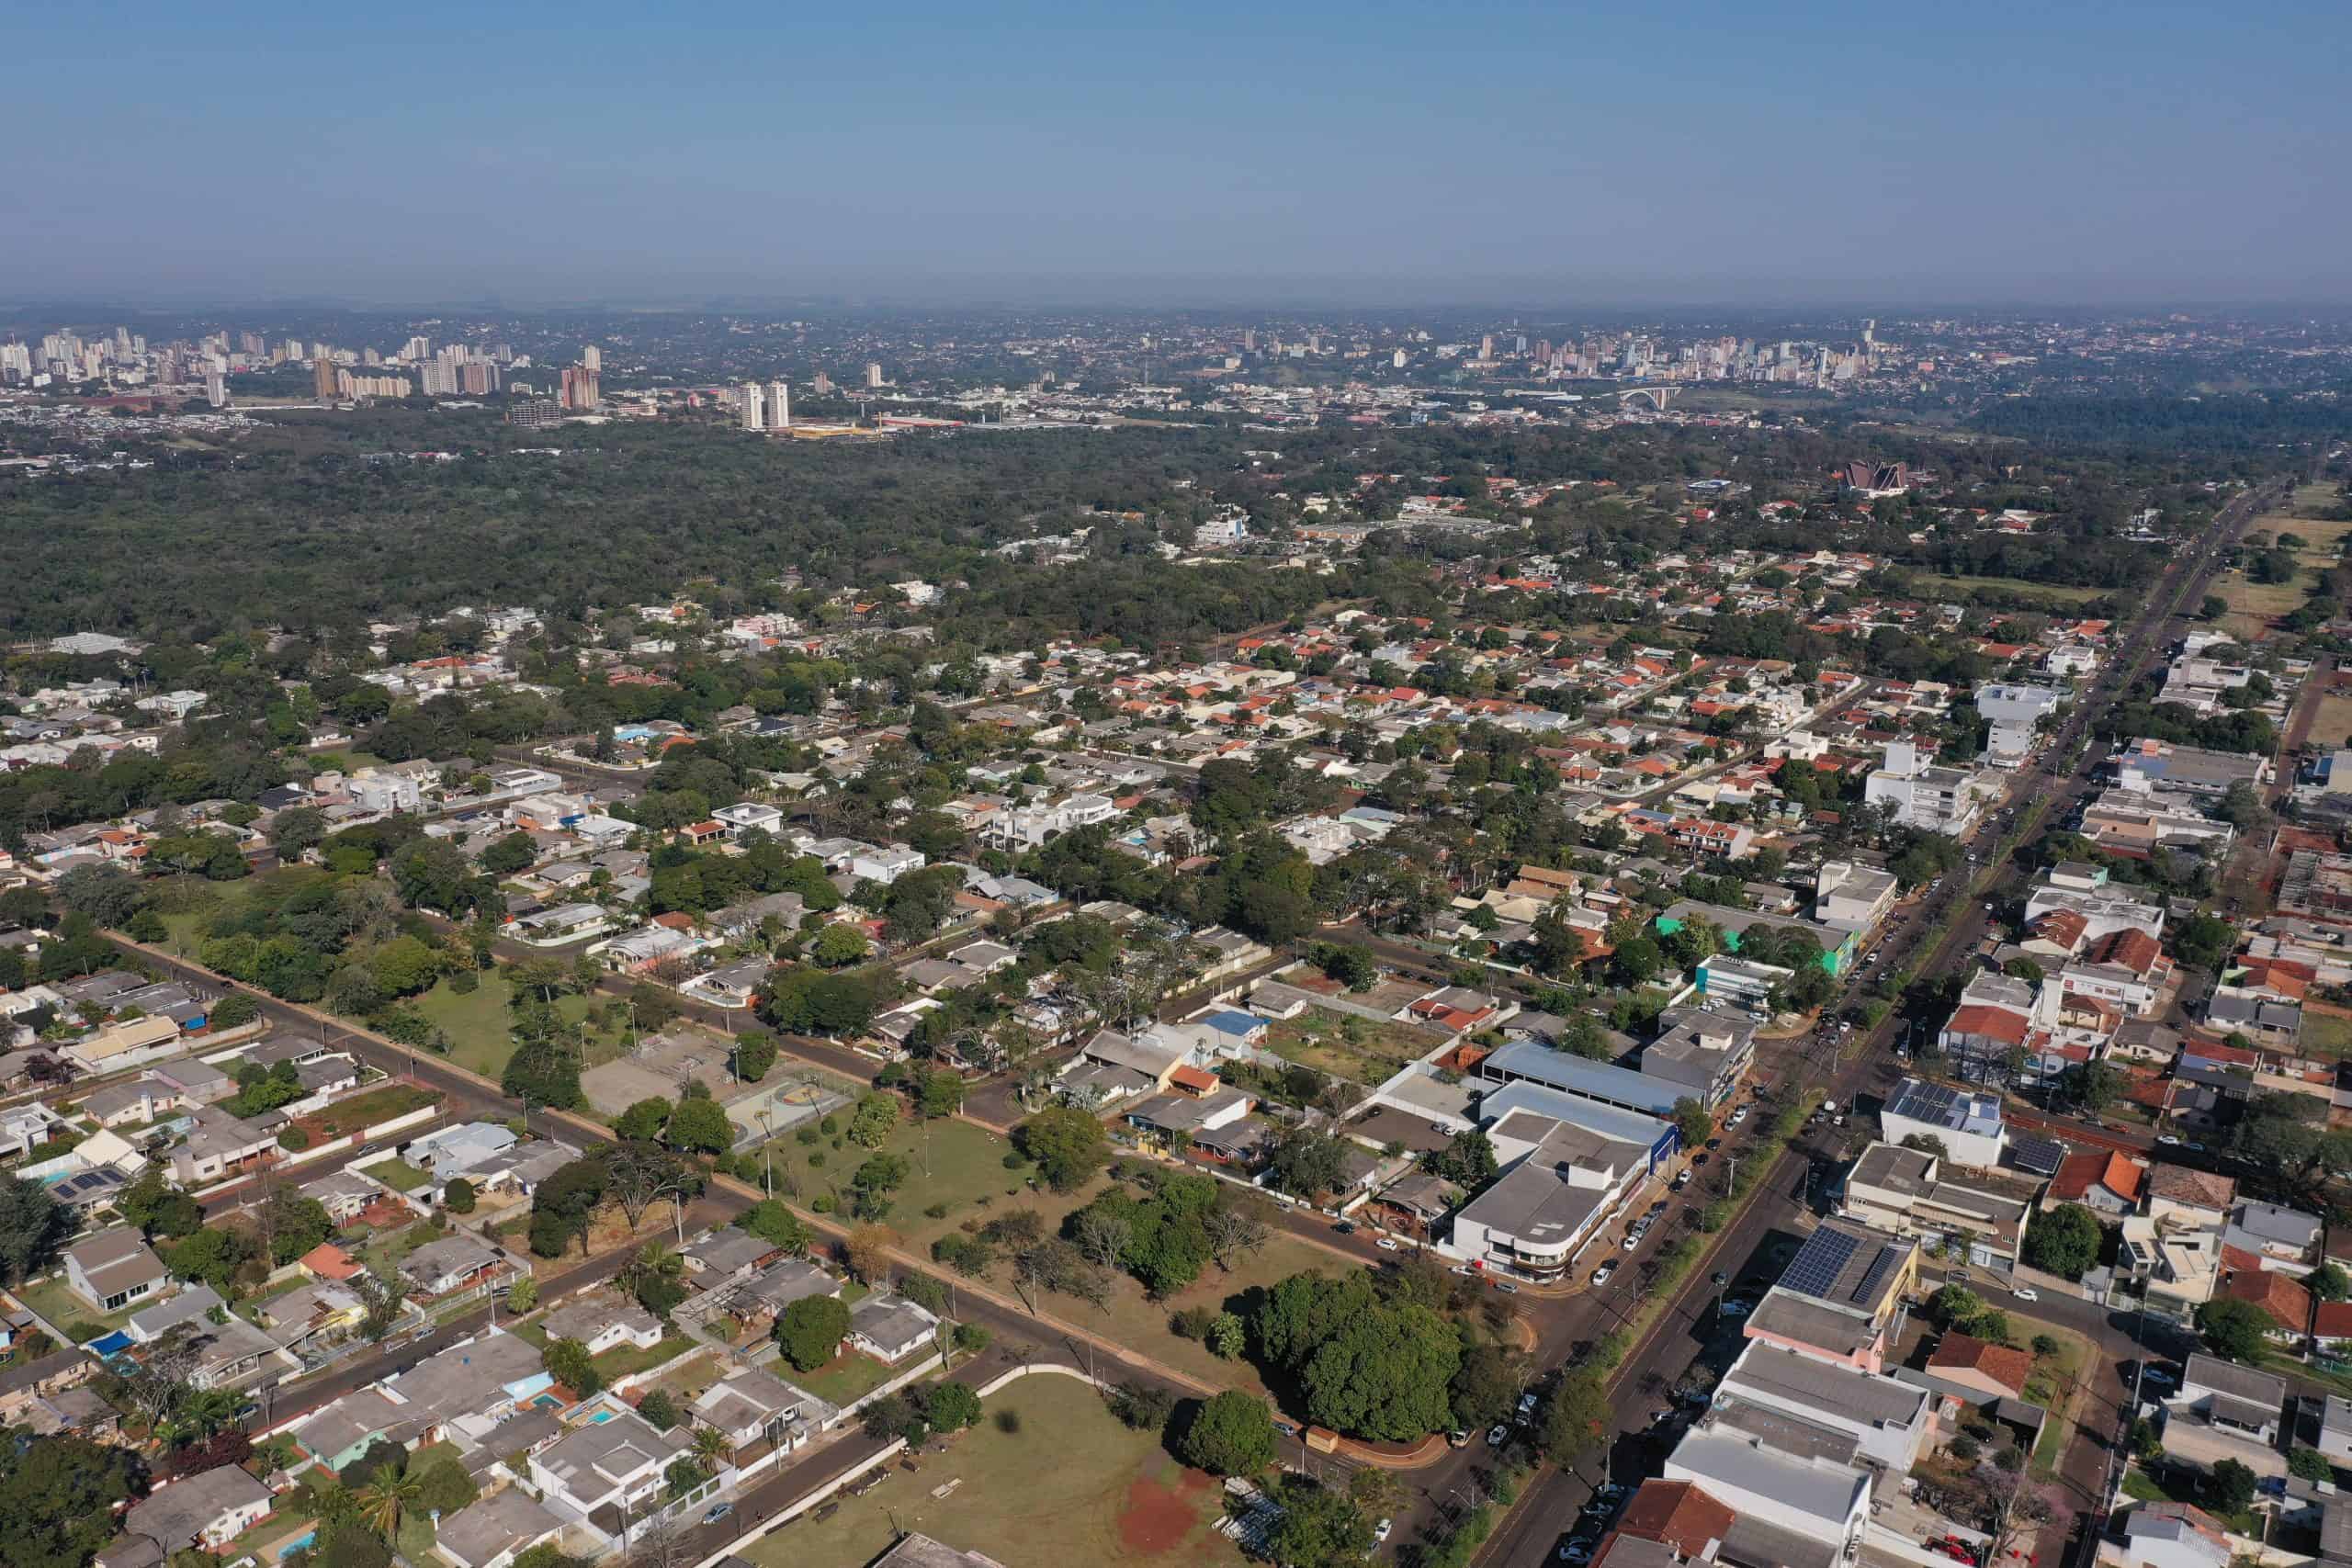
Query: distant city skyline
(1707, 154)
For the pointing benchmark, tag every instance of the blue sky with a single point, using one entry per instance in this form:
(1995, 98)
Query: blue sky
(1758, 154)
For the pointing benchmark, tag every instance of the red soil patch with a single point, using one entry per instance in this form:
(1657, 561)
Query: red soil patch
(1157, 1518)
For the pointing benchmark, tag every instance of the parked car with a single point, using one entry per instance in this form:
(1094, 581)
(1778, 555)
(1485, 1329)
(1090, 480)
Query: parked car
(1958, 1550)
(1497, 1434)
(2026, 1293)
(1380, 1531)
(1388, 1243)
(1577, 1550)
(1458, 1438)
(1735, 1309)
(1345, 1227)
(1527, 1402)
(1601, 1275)
(717, 1512)
(1680, 1181)
(1464, 1271)
(1506, 1287)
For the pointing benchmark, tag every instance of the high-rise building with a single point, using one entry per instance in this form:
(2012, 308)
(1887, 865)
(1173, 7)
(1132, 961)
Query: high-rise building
(215, 388)
(535, 414)
(873, 374)
(779, 404)
(823, 384)
(579, 388)
(754, 402)
(592, 358)
(1398, 359)
(322, 378)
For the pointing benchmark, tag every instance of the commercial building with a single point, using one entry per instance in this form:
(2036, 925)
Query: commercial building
(1905, 1191)
(1969, 1125)
(1927, 795)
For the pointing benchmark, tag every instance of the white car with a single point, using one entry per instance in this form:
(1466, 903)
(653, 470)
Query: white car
(2026, 1293)
(1600, 1276)
(1380, 1531)
(1497, 1434)
(1388, 1243)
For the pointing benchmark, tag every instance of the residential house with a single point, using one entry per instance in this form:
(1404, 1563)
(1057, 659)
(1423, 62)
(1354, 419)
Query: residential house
(2105, 1181)
(756, 1407)
(113, 1268)
(617, 1464)
(207, 1510)
(451, 1264)
(602, 1321)
(2172, 1535)
(1991, 1370)
(890, 1327)
(219, 1145)
(496, 1530)
(1908, 1193)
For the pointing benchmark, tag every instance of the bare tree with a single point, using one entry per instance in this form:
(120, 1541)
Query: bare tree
(2015, 1505)
(1101, 1237)
(1238, 1226)
(161, 1380)
(663, 1541)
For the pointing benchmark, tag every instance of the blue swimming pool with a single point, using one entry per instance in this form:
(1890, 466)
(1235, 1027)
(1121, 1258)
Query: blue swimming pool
(600, 1418)
(291, 1547)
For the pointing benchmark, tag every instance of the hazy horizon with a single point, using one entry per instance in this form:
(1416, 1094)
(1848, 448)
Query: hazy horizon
(1714, 155)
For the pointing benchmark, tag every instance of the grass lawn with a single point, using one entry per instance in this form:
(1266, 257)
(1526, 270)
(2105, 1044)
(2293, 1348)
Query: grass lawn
(56, 1302)
(845, 1378)
(396, 1173)
(1350, 1047)
(1070, 1487)
(1133, 1320)
(2325, 1034)
(2178, 1485)
(2056, 1384)
(623, 1359)
(365, 1110)
(2253, 605)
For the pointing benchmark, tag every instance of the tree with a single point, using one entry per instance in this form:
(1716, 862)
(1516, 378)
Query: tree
(2329, 1283)
(1468, 1158)
(1235, 1227)
(1319, 1527)
(1485, 1386)
(1231, 1433)
(2064, 1242)
(638, 1174)
(2233, 1329)
(2309, 1464)
(700, 1126)
(868, 1252)
(569, 1362)
(876, 1114)
(1691, 1118)
(387, 1498)
(509, 854)
(655, 1277)
(776, 1223)
(1385, 1375)
(564, 1204)
(457, 1197)
(379, 1303)
(644, 1119)
(1926, 1143)
(1306, 1161)
(33, 1227)
(104, 895)
(1576, 1420)
(2230, 1486)
(1066, 1144)
(951, 1407)
(212, 1255)
(754, 1055)
(840, 944)
(809, 1331)
(59, 1495)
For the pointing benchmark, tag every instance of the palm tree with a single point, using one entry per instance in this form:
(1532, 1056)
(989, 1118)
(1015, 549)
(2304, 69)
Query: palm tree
(711, 1444)
(652, 1263)
(385, 1500)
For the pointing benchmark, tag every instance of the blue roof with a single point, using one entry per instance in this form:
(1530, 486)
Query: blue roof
(1233, 1020)
(1579, 1075)
(1626, 1126)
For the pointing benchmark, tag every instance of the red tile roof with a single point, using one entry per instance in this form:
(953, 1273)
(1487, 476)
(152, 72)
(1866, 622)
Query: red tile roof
(1966, 1352)
(1679, 1513)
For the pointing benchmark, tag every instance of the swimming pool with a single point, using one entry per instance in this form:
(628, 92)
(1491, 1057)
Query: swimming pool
(600, 1418)
(291, 1547)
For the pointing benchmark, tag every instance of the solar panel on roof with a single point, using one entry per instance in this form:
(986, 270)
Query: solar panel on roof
(2037, 1154)
(1814, 1270)
(1888, 1258)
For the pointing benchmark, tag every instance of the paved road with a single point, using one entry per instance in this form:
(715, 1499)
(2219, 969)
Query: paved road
(1782, 1212)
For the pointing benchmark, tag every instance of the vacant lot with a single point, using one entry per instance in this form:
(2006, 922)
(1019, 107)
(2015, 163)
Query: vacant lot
(1070, 1487)
(476, 1022)
(364, 1110)
(952, 1166)
(2254, 606)
(1347, 1046)
(1961, 590)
